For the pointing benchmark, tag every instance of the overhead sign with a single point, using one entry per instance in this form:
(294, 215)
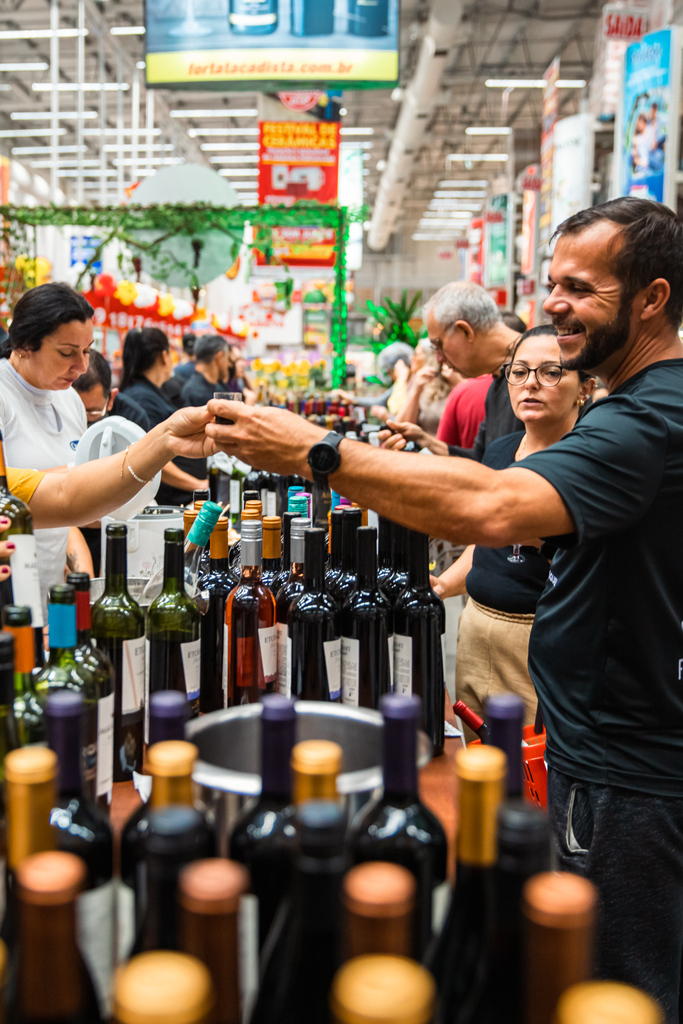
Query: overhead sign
(351, 195)
(531, 185)
(298, 160)
(303, 246)
(272, 45)
(643, 124)
(550, 107)
(299, 101)
(572, 167)
(623, 24)
(496, 235)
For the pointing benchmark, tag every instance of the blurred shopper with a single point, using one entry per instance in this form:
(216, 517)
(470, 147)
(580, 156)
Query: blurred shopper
(237, 376)
(147, 363)
(514, 322)
(173, 387)
(210, 370)
(429, 386)
(394, 362)
(101, 399)
(505, 584)
(464, 411)
(41, 417)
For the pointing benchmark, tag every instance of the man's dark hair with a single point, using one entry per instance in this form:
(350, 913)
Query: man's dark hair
(511, 320)
(39, 312)
(141, 349)
(98, 372)
(652, 246)
(188, 342)
(208, 346)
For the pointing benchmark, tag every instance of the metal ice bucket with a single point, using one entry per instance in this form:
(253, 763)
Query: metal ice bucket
(229, 743)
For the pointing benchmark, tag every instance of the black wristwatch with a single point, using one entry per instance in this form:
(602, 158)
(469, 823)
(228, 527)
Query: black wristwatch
(324, 457)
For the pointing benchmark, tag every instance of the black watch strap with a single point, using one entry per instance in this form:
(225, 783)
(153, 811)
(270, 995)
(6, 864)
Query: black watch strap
(324, 457)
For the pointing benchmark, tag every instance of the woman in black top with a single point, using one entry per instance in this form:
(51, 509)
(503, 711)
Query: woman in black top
(147, 364)
(504, 584)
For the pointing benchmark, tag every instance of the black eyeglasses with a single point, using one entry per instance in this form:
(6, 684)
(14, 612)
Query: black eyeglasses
(547, 374)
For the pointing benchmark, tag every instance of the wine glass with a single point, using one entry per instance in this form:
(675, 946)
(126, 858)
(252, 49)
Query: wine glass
(227, 396)
(516, 555)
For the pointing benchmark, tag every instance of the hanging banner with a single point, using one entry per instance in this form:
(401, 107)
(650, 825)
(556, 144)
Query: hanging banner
(270, 45)
(351, 191)
(643, 123)
(298, 160)
(303, 246)
(496, 253)
(475, 251)
(112, 313)
(622, 23)
(531, 186)
(4, 179)
(572, 167)
(550, 105)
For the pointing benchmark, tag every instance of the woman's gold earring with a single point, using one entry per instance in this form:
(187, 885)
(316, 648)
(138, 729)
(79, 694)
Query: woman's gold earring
(580, 402)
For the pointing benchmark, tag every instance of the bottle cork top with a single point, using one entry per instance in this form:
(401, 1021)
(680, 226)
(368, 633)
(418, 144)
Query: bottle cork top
(382, 990)
(172, 758)
(606, 1002)
(480, 764)
(316, 757)
(254, 506)
(249, 513)
(51, 878)
(272, 545)
(31, 765)
(379, 889)
(212, 886)
(163, 985)
(557, 899)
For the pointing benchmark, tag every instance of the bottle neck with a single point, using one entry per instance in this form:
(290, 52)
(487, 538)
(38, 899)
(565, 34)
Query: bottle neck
(317, 892)
(286, 560)
(478, 803)
(213, 937)
(418, 560)
(400, 757)
(24, 650)
(384, 543)
(252, 557)
(61, 621)
(336, 522)
(28, 819)
(314, 569)
(174, 566)
(367, 564)
(219, 565)
(399, 552)
(83, 616)
(7, 687)
(296, 573)
(277, 740)
(64, 736)
(251, 574)
(349, 528)
(49, 987)
(176, 789)
(116, 566)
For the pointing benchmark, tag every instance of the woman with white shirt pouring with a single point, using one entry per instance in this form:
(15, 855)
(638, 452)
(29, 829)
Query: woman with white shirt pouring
(41, 417)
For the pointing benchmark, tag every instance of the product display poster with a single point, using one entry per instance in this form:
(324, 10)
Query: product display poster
(497, 257)
(645, 116)
(206, 43)
(572, 167)
(298, 160)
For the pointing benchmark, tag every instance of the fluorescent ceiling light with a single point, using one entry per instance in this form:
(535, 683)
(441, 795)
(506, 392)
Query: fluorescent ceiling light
(129, 161)
(30, 133)
(216, 112)
(488, 131)
(381, 164)
(245, 158)
(5, 88)
(422, 236)
(122, 131)
(248, 202)
(140, 65)
(459, 194)
(533, 83)
(571, 83)
(455, 206)
(196, 132)
(126, 147)
(221, 147)
(463, 184)
(343, 111)
(44, 150)
(28, 66)
(356, 131)
(87, 174)
(356, 145)
(31, 115)
(64, 163)
(493, 158)
(42, 33)
(436, 215)
(127, 30)
(86, 87)
(235, 172)
(245, 186)
(249, 198)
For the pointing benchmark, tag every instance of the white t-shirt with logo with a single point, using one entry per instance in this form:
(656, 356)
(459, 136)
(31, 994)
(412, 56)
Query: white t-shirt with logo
(41, 430)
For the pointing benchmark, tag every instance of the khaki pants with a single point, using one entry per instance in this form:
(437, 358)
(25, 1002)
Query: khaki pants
(491, 657)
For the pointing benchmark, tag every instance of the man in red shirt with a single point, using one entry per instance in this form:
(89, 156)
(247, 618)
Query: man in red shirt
(464, 411)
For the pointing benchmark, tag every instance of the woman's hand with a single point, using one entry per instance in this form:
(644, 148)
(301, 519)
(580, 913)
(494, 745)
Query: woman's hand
(185, 433)
(403, 432)
(423, 377)
(436, 585)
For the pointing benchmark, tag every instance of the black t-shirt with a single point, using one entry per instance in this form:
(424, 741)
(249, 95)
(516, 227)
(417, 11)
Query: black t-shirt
(122, 406)
(493, 580)
(606, 650)
(197, 390)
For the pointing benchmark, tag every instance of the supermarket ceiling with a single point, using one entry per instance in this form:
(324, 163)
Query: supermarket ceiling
(494, 40)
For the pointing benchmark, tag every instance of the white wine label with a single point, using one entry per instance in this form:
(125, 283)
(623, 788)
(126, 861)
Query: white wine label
(105, 745)
(125, 907)
(133, 675)
(332, 650)
(350, 669)
(25, 582)
(403, 664)
(267, 638)
(235, 498)
(247, 931)
(224, 670)
(270, 507)
(191, 655)
(284, 661)
(390, 644)
(96, 932)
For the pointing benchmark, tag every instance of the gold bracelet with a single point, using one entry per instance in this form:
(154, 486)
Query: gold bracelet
(123, 460)
(136, 477)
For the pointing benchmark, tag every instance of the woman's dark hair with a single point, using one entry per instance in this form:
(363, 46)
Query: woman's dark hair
(546, 330)
(141, 349)
(39, 312)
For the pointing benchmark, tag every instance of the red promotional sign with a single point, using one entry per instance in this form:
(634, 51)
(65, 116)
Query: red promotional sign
(623, 25)
(301, 246)
(475, 250)
(299, 101)
(112, 313)
(298, 160)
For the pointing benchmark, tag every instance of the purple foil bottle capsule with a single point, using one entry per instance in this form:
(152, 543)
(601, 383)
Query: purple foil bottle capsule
(401, 715)
(278, 726)
(505, 718)
(64, 713)
(167, 716)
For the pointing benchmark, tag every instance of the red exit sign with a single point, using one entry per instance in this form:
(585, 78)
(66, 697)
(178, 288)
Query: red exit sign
(619, 23)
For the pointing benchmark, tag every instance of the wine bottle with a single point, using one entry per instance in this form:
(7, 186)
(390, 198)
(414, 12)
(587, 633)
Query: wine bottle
(505, 719)
(315, 766)
(365, 627)
(460, 959)
(9, 733)
(118, 628)
(304, 948)
(168, 712)
(251, 493)
(334, 561)
(52, 983)
(523, 851)
(272, 550)
(291, 590)
(559, 915)
(269, 489)
(196, 539)
(263, 837)
(314, 630)
(368, 18)
(82, 828)
(255, 505)
(397, 827)
(385, 549)
(209, 893)
(163, 986)
(312, 18)
(238, 475)
(199, 496)
(176, 836)
(418, 651)
(29, 716)
(63, 671)
(97, 661)
(286, 559)
(397, 581)
(606, 1002)
(170, 764)
(251, 635)
(379, 907)
(173, 644)
(23, 586)
(217, 584)
(382, 989)
(342, 585)
(472, 720)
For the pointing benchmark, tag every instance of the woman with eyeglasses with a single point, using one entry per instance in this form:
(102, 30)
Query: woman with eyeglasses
(504, 584)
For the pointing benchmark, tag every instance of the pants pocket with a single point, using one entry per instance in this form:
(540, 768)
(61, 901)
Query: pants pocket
(579, 832)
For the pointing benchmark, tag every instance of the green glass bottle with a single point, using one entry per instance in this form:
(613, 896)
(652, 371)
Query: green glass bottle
(118, 629)
(28, 712)
(9, 738)
(174, 646)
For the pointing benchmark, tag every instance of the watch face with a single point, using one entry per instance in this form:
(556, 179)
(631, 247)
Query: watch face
(325, 458)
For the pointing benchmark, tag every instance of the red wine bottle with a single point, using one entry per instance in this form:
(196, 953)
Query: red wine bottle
(251, 635)
(272, 549)
(314, 630)
(217, 583)
(292, 589)
(334, 560)
(286, 560)
(505, 720)
(365, 626)
(396, 582)
(342, 585)
(385, 564)
(471, 719)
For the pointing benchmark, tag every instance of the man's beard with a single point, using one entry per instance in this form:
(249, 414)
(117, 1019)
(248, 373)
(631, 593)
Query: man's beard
(602, 342)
